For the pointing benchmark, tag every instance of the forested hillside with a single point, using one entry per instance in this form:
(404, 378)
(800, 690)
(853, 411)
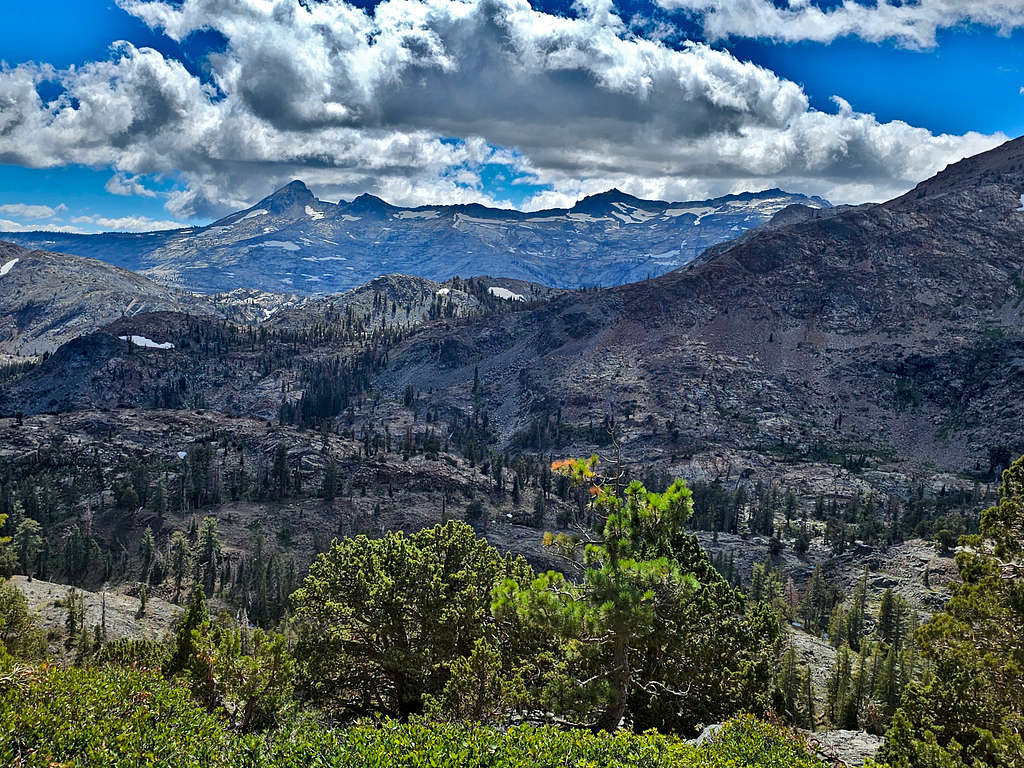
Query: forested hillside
(449, 641)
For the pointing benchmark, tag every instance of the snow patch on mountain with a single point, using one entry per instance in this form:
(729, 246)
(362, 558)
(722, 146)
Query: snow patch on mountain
(286, 245)
(699, 212)
(505, 293)
(630, 214)
(1019, 210)
(313, 213)
(142, 341)
(8, 266)
(254, 214)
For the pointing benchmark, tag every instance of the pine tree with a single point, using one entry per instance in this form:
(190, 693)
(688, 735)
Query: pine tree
(889, 688)
(75, 606)
(859, 687)
(638, 618)
(808, 715)
(837, 627)
(789, 686)
(196, 616)
(181, 557)
(329, 489)
(838, 686)
(209, 550)
(814, 610)
(28, 543)
(855, 618)
(147, 548)
(892, 617)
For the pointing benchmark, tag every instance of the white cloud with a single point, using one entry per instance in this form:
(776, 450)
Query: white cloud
(910, 24)
(352, 101)
(6, 225)
(124, 223)
(125, 185)
(23, 211)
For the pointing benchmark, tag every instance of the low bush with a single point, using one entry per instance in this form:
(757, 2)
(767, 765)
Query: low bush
(115, 718)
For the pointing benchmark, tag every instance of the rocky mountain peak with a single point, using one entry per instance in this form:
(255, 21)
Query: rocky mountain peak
(294, 193)
(602, 201)
(1002, 166)
(367, 203)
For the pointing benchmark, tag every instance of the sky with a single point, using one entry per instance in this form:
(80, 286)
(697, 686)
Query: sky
(134, 115)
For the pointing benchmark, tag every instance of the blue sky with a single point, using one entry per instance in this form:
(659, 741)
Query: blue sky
(400, 140)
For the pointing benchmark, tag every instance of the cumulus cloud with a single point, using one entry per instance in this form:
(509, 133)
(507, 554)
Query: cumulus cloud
(25, 211)
(412, 99)
(911, 24)
(6, 225)
(123, 223)
(124, 185)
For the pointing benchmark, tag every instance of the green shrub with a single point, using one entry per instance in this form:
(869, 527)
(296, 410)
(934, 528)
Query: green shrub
(126, 652)
(88, 718)
(747, 741)
(84, 717)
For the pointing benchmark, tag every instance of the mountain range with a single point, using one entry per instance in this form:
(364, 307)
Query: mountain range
(291, 242)
(890, 333)
(48, 299)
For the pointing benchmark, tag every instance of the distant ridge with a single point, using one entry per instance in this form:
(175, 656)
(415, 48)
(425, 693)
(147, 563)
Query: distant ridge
(292, 242)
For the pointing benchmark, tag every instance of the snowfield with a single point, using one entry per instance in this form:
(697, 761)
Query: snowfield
(8, 266)
(287, 245)
(505, 293)
(142, 341)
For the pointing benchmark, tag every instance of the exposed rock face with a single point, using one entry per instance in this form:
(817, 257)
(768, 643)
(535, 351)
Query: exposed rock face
(47, 299)
(852, 747)
(292, 242)
(892, 330)
(48, 601)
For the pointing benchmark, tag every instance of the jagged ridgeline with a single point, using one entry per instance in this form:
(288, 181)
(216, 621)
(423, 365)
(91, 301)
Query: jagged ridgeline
(292, 242)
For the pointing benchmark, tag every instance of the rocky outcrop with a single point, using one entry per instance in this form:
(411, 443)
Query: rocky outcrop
(853, 748)
(48, 298)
